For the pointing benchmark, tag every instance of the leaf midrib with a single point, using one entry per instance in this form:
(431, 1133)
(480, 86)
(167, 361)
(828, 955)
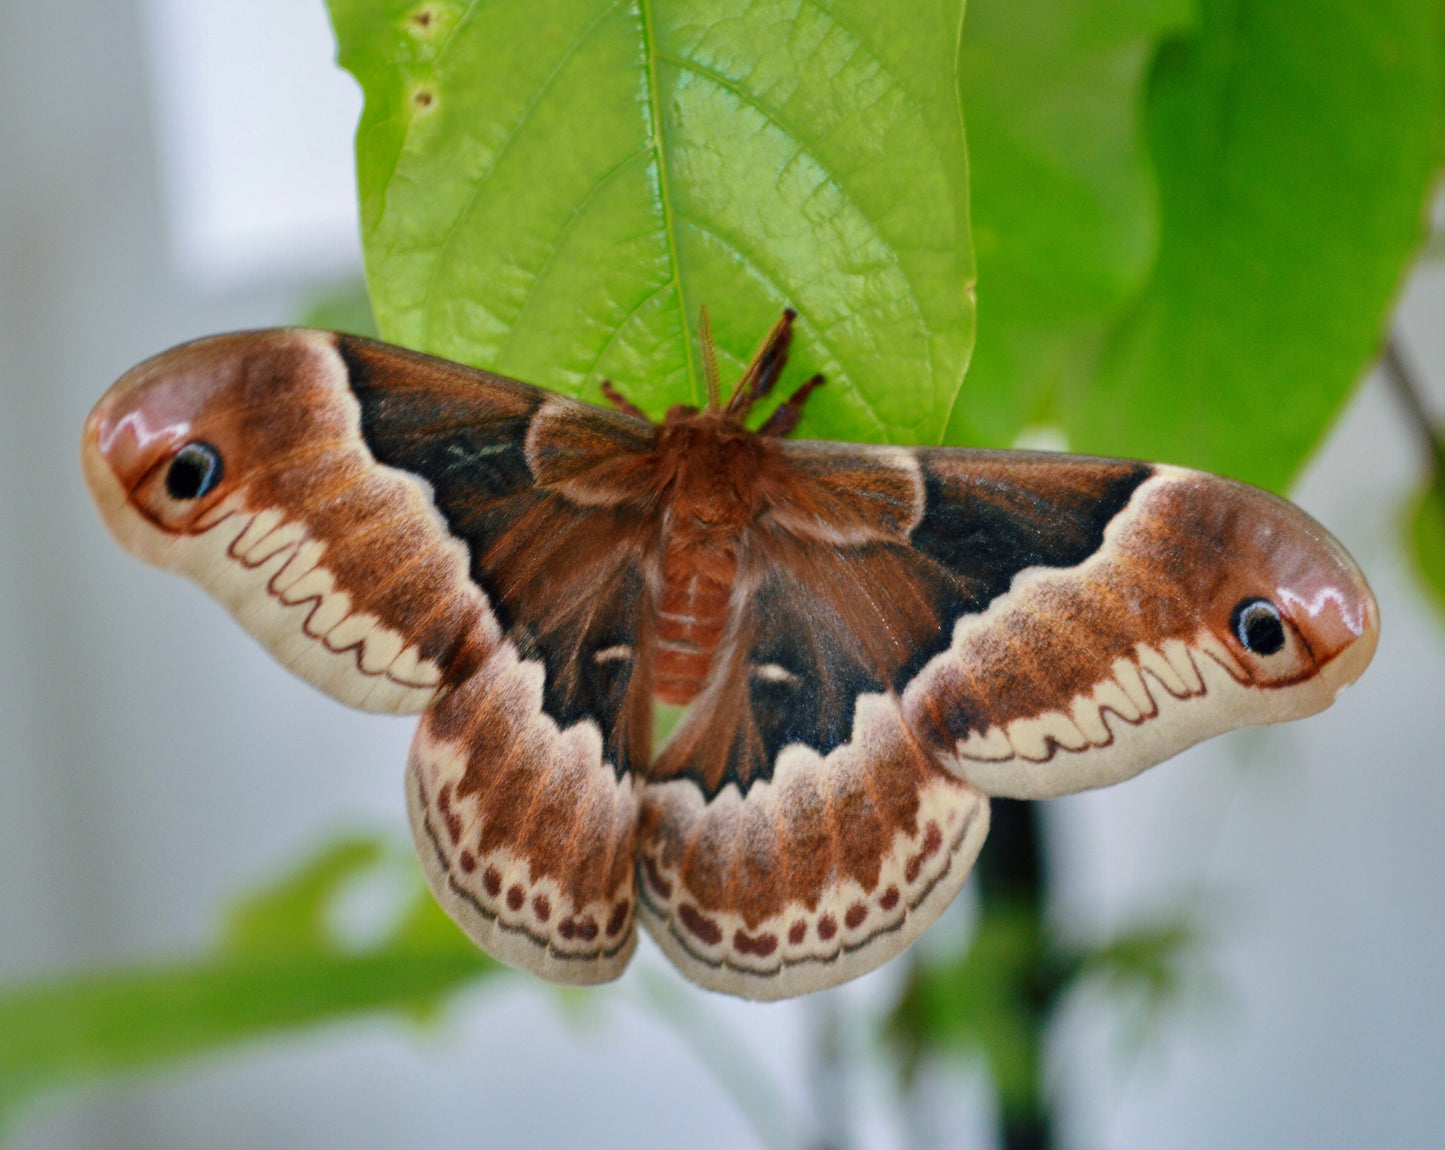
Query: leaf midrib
(654, 108)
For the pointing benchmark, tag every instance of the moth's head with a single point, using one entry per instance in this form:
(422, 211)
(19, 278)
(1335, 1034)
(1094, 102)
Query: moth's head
(1285, 599)
(175, 435)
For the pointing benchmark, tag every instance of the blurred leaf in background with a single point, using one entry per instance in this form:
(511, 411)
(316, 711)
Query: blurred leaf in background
(1426, 540)
(988, 1000)
(282, 966)
(1065, 217)
(1424, 525)
(1296, 146)
(341, 307)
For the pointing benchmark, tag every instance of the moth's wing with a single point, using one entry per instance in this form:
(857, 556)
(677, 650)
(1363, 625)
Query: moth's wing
(826, 865)
(796, 833)
(409, 534)
(921, 628)
(521, 782)
(1091, 615)
(524, 829)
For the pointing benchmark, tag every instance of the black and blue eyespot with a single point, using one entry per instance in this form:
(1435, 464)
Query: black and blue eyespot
(1258, 626)
(194, 472)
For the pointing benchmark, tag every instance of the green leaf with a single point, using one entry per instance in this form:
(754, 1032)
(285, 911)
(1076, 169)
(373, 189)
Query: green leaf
(1296, 145)
(1427, 541)
(1065, 222)
(291, 917)
(281, 969)
(553, 191)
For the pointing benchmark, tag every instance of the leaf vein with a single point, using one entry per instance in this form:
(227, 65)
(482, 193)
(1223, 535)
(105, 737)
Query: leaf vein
(801, 149)
(577, 212)
(616, 331)
(669, 225)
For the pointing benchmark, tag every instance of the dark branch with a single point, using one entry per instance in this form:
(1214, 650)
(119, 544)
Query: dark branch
(1403, 379)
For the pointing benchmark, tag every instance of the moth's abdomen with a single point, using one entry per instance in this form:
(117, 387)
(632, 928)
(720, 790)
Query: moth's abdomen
(698, 575)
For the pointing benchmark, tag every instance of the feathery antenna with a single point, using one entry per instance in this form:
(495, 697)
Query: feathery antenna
(709, 360)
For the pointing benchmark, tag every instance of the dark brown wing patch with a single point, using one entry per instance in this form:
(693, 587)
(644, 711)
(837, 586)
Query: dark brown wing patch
(562, 569)
(990, 515)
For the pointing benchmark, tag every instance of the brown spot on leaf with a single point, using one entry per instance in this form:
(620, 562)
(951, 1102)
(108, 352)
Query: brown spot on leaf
(423, 98)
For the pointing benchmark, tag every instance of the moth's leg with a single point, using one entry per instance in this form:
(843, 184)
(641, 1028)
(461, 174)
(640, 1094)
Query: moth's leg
(620, 401)
(525, 831)
(786, 415)
(766, 366)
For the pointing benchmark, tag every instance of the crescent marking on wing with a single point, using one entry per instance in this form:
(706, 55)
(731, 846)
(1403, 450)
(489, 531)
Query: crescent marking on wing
(300, 614)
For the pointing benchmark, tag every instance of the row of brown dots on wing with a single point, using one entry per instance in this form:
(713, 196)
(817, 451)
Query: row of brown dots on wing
(707, 930)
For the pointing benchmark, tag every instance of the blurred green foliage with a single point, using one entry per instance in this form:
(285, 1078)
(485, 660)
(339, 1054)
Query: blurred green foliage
(281, 965)
(341, 307)
(988, 1000)
(1426, 528)
(1065, 215)
(1191, 221)
(1295, 147)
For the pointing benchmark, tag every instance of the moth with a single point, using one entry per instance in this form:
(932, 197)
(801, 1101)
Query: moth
(869, 641)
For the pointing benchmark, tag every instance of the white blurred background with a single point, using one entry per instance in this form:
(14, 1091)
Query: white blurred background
(173, 168)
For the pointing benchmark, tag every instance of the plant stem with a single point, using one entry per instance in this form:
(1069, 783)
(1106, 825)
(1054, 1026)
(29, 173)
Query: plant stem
(1011, 874)
(1403, 379)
